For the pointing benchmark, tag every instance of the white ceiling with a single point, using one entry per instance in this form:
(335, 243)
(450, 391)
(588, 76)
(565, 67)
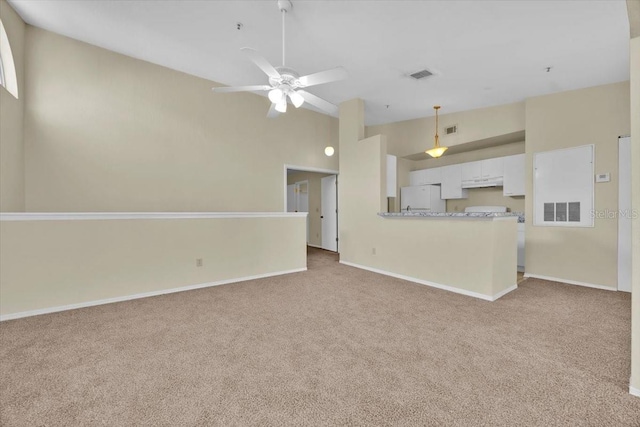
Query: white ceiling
(483, 53)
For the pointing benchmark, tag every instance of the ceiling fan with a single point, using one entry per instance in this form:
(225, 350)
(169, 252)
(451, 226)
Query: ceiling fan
(285, 82)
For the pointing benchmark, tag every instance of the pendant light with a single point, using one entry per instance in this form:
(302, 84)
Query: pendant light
(437, 150)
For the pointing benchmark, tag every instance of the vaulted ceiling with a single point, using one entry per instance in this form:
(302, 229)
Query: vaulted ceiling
(482, 53)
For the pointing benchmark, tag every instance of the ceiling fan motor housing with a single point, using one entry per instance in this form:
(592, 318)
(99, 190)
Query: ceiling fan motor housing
(285, 5)
(287, 77)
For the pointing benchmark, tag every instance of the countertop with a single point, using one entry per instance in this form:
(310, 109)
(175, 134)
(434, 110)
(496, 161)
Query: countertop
(425, 214)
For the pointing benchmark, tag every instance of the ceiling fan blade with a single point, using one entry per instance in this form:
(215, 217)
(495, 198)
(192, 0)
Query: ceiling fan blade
(327, 76)
(226, 89)
(262, 63)
(318, 102)
(273, 113)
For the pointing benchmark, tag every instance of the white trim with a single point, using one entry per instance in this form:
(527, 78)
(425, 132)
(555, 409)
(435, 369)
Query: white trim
(309, 169)
(66, 216)
(315, 246)
(433, 284)
(569, 282)
(634, 391)
(142, 295)
(302, 169)
(504, 292)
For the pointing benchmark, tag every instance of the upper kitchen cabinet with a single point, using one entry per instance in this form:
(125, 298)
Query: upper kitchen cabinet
(417, 177)
(392, 182)
(493, 168)
(514, 175)
(452, 183)
(434, 176)
(483, 173)
(471, 171)
(426, 176)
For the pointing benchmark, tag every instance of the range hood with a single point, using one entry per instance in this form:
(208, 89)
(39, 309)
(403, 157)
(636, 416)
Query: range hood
(481, 183)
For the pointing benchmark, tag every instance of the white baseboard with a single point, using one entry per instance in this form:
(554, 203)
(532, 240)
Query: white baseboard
(569, 282)
(504, 292)
(142, 295)
(634, 391)
(315, 246)
(433, 284)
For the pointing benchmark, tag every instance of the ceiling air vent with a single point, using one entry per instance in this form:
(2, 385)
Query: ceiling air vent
(421, 74)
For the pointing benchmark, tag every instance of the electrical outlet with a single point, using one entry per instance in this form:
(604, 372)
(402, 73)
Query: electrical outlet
(373, 251)
(198, 262)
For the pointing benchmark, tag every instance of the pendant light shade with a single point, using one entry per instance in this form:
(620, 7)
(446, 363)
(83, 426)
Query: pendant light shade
(437, 150)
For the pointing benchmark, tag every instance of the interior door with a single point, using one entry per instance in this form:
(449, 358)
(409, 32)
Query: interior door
(302, 200)
(329, 213)
(625, 215)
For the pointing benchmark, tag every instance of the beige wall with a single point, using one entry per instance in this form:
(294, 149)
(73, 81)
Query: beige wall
(471, 156)
(315, 202)
(635, 188)
(414, 136)
(422, 249)
(11, 119)
(596, 115)
(106, 132)
(479, 196)
(48, 264)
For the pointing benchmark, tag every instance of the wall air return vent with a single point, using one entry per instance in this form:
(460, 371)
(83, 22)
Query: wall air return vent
(450, 130)
(418, 75)
(562, 212)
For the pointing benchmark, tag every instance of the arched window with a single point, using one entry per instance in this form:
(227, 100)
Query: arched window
(8, 77)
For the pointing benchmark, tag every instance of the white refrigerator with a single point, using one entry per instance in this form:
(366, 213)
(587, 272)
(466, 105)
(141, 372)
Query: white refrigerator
(422, 198)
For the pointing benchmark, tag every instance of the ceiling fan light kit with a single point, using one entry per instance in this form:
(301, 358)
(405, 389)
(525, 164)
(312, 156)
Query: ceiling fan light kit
(285, 82)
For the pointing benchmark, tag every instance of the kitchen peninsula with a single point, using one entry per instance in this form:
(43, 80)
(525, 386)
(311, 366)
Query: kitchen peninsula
(472, 254)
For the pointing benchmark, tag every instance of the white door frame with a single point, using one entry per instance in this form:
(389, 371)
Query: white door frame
(297, 192)
(624, 214)
(329, 212)
(305, 169)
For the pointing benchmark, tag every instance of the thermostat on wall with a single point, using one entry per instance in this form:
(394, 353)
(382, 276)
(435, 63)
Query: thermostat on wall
(603, 177)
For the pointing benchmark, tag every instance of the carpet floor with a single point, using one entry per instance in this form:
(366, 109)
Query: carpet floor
(334, 345)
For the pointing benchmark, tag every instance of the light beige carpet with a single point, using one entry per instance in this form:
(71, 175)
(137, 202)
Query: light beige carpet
(331, 346)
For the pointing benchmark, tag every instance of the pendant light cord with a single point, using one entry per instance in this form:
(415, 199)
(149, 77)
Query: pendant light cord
(437, 142)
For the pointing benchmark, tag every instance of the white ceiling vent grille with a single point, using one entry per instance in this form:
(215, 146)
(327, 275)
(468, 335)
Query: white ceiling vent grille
(421, 74)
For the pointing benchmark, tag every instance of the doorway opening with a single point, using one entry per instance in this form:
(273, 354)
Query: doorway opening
(314, 191)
